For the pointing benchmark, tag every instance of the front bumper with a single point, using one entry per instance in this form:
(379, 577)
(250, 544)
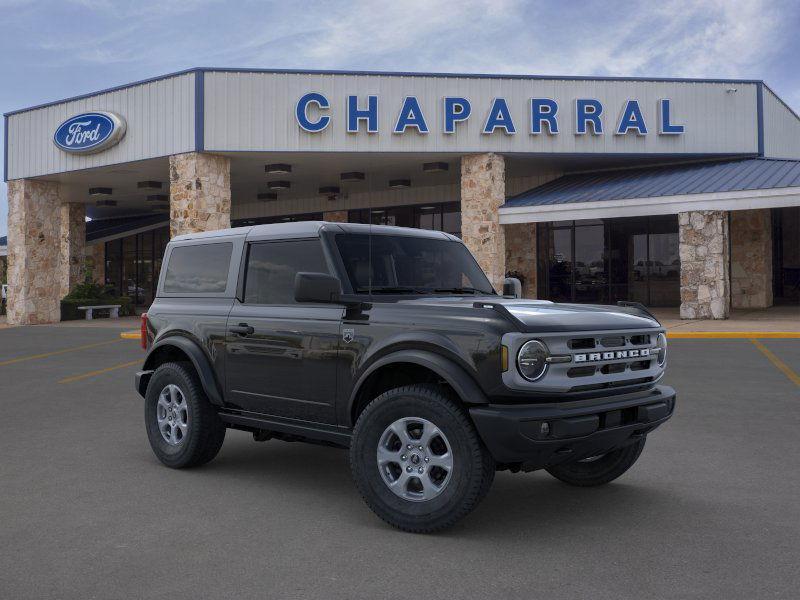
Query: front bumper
(542, 435)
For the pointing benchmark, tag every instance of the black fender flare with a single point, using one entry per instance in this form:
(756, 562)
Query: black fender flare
(198, 358)
(462, 382)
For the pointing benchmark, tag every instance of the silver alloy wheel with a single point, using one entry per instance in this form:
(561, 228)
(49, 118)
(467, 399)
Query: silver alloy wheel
(172, 414)
(415, 459)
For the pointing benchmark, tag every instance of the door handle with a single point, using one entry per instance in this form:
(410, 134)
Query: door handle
(241, 329)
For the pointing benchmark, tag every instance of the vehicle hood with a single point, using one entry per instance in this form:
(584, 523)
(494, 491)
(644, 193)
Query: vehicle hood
(544, 316)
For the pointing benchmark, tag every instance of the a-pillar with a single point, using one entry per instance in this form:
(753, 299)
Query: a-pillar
(751, 258)
(34, 263)
(335, 216)
(703, 247)
(199, 193)
(521, 255)
(483, 191)
(72, 258)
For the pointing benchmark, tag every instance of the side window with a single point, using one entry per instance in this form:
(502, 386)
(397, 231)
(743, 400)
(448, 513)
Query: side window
(272, 266)
(198, 269)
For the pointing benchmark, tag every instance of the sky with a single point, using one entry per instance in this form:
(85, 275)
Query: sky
(56, 49)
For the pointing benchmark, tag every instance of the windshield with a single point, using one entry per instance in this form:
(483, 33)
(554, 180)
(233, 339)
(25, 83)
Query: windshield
(410, 265)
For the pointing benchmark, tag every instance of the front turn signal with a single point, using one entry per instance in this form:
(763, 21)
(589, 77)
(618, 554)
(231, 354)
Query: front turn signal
(504, 358)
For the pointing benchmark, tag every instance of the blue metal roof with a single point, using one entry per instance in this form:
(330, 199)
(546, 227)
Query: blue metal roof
(672, 180)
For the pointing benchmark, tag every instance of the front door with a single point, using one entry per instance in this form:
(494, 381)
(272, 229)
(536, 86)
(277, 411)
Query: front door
(282, 356)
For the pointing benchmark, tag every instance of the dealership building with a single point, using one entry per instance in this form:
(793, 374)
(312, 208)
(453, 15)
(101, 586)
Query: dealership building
(671, 192)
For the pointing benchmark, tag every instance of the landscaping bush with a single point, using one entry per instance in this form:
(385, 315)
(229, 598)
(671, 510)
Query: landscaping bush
(90, 293)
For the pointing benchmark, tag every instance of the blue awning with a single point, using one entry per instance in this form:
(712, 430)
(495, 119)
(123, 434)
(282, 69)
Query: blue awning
(672, 180)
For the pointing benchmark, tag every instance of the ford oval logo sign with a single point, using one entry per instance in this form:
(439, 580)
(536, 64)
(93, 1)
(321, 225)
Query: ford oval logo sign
(90, 132)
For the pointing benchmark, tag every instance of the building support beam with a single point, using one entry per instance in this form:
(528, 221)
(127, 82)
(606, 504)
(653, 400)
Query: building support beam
(521, 255)
(483, 192)
(199, 193)
(703, 247)
(751, 258)
(96, 261)
(72, 254)
(34, 249)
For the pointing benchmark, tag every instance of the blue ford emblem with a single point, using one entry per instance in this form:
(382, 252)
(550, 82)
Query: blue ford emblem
(90, 132)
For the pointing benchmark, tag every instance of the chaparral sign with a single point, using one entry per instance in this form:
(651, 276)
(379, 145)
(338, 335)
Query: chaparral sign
(588, 116)
(90, 132)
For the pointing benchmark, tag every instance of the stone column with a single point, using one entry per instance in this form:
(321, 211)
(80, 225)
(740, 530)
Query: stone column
(483, 191)
(751, 258)
(335, 216)
(72, 246)
(199, 193)
(34, 235)
(703, 247)
(96, 256)
(521, 255)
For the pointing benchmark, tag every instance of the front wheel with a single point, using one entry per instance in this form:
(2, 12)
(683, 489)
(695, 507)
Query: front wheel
(598, 470)
(417, 459)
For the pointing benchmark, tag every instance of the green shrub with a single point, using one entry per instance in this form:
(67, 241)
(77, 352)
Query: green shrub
(70, 312)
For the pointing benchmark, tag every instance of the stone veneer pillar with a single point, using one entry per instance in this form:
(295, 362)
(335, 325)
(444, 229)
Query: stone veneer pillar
(521, 255)
(96, 255)
(483, 191)
(751, 258)
(199, 193)
(703, 247)
(335, 216)
(34, 236)
(72, 255)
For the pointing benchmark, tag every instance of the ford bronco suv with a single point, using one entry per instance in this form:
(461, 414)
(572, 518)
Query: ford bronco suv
(391, 342)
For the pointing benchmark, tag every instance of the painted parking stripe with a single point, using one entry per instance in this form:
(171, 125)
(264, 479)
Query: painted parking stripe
(12, 361)
(779, 364)
(99, 371)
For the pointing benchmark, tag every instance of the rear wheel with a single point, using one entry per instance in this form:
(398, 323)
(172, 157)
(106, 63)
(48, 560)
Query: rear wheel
(417, 459)
(183, 427)
(598, 470)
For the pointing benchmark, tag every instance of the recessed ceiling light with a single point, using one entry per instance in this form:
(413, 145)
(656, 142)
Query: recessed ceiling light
(399, 183)
(352, 176)
(158, 198)
(106, 203)
(278, 168)
(149, 185)
(329, 189)
(435, 167)
(427, 208)
(267, 196)
(279, 185)
(100, 191)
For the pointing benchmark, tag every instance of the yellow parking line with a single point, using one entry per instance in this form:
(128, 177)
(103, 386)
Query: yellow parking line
(99, 371)
(54, 353)
(779, 364)
(736, 335)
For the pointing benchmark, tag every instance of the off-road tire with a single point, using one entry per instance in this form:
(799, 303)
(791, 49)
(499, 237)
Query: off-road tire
(600, 471)
(206, 431)
(473, 466)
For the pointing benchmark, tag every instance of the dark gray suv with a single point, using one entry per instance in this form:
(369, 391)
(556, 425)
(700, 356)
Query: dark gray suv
(391, 342)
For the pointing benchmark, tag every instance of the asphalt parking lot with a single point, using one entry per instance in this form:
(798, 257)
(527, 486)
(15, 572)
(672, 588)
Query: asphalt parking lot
(711, 510)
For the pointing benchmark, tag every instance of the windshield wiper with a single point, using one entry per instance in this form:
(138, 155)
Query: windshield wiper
(460, 290)
(388, 289)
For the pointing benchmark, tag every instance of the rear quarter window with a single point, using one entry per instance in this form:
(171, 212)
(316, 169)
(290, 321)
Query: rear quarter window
(198, 269)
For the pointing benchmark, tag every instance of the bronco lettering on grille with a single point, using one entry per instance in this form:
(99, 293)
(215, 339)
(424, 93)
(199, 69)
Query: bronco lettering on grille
(617, 354)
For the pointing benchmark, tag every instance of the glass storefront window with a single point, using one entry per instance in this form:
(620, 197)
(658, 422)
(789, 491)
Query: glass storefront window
(438, 217)
(615, 259)
(133, 264)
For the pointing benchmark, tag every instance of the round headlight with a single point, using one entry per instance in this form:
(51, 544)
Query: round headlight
(661, 344)
(531, 360)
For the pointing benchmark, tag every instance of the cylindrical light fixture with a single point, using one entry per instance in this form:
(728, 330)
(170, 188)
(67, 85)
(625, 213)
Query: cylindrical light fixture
(399, 183)
(279, 185)
(267, 196)
(352, 176)
(435, 167)
(149, 185)
(329, 189)
(100, 191)
(278, 168)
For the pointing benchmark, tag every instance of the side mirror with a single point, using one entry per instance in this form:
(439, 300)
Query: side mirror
(512, 287)
(317, 287)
